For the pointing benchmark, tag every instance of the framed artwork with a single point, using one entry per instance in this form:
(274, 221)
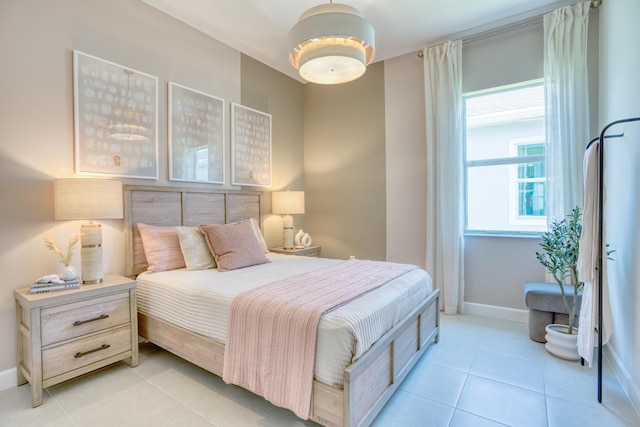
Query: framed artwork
(250, 146)
(115, 119)
(196, 136)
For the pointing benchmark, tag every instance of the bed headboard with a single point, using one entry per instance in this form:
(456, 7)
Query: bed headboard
(169, 206)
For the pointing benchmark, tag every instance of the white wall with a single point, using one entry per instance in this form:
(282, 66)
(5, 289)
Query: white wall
(619, 95)
(496, 268)
(36, 107)
(36, 119)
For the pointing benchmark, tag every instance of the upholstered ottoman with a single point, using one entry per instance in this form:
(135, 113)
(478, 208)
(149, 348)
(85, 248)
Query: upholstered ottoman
(544, 301)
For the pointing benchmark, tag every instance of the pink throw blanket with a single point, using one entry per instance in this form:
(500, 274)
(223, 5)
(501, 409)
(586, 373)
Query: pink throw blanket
(271, 338)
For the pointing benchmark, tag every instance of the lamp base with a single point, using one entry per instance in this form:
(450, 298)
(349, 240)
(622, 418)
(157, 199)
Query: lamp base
(91, 253)
(287, 232)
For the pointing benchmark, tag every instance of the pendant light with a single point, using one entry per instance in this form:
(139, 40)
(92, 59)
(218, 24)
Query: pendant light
(332, 43)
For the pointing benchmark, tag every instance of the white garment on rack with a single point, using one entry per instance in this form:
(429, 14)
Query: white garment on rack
(588, 261)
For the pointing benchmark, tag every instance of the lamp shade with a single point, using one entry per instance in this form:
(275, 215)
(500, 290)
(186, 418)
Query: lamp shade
(332, 43)
(287, 202)
(87, 198)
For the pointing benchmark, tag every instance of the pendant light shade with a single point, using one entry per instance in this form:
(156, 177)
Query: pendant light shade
(332, 43)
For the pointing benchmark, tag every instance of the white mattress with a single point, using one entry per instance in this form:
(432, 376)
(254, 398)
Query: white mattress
(199, 301)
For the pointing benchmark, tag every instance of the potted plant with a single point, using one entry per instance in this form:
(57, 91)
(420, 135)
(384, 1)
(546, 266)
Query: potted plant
(561, 246)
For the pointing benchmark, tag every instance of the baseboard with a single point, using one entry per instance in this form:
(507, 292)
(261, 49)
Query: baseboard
(623, 376)
(496, 311)
(8, 379)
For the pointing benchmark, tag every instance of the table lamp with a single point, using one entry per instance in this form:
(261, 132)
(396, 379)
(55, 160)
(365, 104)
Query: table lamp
(287, 203)
(88, 198)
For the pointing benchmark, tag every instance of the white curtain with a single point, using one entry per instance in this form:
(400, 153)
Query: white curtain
(444, 123)
(571, 184)
(567, 109)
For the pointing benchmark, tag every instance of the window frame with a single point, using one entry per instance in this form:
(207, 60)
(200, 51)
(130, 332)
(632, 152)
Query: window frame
(499, 161)
(515, 217)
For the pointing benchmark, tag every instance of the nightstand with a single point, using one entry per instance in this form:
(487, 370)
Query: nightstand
(64, 334)
(313, 251)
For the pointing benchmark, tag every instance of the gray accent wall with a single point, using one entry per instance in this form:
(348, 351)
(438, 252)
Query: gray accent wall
(344, 162)
(406, 164)
(268, 90)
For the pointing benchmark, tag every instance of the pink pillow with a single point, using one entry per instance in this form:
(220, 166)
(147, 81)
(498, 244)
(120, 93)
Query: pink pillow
(234, 245)
(161, 248)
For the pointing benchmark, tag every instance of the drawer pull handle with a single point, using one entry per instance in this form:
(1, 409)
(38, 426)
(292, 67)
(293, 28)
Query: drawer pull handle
(84, 353)
(82, 322)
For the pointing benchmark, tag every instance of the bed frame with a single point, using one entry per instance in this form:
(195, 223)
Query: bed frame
(369, 382)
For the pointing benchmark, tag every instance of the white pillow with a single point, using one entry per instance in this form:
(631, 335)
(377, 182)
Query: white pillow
(194, 248)
(256, 229)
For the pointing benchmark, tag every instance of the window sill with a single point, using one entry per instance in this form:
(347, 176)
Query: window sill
(503, 234)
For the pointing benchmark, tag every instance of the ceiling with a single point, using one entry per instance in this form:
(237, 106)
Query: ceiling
(259, 28)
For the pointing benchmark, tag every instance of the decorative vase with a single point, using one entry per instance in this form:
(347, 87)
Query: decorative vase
(298, 238)
(306, 240)
(69, 272)
(560, 343)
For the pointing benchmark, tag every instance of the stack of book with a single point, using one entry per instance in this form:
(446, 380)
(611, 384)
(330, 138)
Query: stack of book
(38, 288)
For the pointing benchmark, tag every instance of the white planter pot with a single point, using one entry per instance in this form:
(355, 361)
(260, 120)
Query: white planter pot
(560, 343)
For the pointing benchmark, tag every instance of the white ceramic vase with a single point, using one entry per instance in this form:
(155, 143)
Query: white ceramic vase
(560, 343)
(298, 238)
(69, 272)
(306, 240)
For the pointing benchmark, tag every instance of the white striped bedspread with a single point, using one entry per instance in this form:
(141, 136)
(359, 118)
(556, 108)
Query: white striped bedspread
(199, 301)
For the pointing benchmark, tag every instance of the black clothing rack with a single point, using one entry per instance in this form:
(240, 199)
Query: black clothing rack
(601, 139)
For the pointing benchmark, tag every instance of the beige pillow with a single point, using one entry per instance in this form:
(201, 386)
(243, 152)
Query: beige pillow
(234, 245)
(161, 248)
(195, 251)
(256, 229)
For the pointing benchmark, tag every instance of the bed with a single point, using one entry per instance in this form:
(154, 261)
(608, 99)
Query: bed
(361, 388)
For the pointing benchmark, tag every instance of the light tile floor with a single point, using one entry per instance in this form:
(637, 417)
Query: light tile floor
(484, 372)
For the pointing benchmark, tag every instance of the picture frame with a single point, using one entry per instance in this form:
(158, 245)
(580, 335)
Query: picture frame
(196, 136)
(115, 119)
(250, 147)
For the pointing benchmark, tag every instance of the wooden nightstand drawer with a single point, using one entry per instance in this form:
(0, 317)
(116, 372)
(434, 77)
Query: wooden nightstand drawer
(76, 354)
(67, 321)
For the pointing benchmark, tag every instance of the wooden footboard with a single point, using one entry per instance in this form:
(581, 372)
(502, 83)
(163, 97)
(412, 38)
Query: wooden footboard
(369, 382)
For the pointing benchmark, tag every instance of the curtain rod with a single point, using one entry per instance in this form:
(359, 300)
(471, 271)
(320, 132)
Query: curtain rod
(502, 30)
(483, 33)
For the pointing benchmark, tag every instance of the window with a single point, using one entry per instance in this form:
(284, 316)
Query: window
(505, 164)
